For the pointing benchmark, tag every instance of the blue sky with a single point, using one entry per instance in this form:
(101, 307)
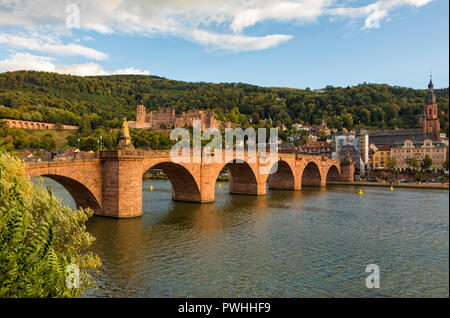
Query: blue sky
(304, 43)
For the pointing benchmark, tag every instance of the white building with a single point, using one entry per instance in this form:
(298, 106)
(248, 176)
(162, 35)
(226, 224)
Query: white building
(300, 127)
(352, 144)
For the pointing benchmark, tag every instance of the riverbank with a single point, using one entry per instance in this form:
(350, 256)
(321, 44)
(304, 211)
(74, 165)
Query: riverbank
(395, 184)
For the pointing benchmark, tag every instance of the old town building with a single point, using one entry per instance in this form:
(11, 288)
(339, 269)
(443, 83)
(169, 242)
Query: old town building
(408, 143)
(380, 157)
(352, 143)
(317, 148)
(321, 129)
(404, 152)
(429, 122)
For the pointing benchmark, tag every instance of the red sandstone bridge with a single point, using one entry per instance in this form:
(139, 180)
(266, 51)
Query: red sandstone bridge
(111, 184)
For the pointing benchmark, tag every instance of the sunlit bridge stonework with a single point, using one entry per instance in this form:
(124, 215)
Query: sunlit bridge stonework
(111, 181)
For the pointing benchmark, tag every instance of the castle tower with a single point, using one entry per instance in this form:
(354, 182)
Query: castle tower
(430, 120)
(140, 114)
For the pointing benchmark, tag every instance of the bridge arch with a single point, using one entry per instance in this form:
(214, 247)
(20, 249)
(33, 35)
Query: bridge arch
(333, 174)
(82, 195)
(242, 177)
(282, 176)
(184, 184)
(311, 175)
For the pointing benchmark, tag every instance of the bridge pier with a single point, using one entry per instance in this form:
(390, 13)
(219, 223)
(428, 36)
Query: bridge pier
(247, 188)
(347, 172)
(121, 185)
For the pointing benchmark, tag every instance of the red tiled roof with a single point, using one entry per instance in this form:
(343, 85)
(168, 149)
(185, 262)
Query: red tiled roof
(317, 144)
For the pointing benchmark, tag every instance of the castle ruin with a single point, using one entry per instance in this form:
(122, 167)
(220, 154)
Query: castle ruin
(165, 118)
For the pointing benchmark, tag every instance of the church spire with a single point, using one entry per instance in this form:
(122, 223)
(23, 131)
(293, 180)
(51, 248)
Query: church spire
(430, 99)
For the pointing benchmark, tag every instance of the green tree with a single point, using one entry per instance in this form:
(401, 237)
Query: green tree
(39, 238)
(347, 120)
(445, 164)
(418, 177)
(48, 143)
(426, 162)
(413, 164)
(392, 164)
(322, 135)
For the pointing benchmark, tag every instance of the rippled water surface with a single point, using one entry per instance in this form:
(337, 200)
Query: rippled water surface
(309, 243)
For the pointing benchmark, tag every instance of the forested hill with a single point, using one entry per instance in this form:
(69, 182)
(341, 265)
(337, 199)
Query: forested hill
(104, 100)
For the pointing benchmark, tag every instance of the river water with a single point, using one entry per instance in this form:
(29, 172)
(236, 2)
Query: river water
(315, 242)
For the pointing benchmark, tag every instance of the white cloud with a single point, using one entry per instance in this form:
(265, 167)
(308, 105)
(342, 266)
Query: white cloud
(373, 13)
(236, 42)
(48, 44)
(254, 12)
(215, 20)
(129, 70)
(90, 69)
(27, 61)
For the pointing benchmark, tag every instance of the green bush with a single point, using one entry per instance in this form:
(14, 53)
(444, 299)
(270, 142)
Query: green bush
(39, 238)
(418, 177)
(442, 179)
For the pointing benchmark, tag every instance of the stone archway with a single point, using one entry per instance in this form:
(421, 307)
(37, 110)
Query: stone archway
(283, 178)
(242, 178)
(311, 175)
(333, 174)
(82, 196)
(184, 185)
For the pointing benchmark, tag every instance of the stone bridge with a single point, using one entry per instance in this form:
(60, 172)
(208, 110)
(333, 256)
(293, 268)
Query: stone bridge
(111, 184)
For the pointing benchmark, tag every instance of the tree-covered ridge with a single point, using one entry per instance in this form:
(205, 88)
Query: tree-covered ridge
(103, 100)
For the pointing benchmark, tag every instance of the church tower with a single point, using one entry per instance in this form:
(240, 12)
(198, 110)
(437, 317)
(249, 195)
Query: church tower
(430, 119)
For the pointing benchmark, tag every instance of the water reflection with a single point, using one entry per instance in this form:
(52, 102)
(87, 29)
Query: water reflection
(310, 243)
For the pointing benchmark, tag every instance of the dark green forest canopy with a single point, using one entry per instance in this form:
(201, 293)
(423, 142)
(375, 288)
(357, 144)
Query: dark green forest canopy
(104, 100)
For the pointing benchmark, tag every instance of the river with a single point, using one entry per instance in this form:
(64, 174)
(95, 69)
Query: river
(315, 242)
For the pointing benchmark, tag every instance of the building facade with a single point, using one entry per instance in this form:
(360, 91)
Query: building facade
(321, 129)
(381, 156)
(317, 148)
(364, 147)
(404, 152)
(351, 144)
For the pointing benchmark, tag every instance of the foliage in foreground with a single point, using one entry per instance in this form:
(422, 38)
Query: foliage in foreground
(39, 238)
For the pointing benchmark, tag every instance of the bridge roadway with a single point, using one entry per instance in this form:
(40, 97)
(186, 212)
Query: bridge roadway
(110, 182)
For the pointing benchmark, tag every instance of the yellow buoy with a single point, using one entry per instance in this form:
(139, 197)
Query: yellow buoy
(360, 192)
(220, 184)
(151, 188)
